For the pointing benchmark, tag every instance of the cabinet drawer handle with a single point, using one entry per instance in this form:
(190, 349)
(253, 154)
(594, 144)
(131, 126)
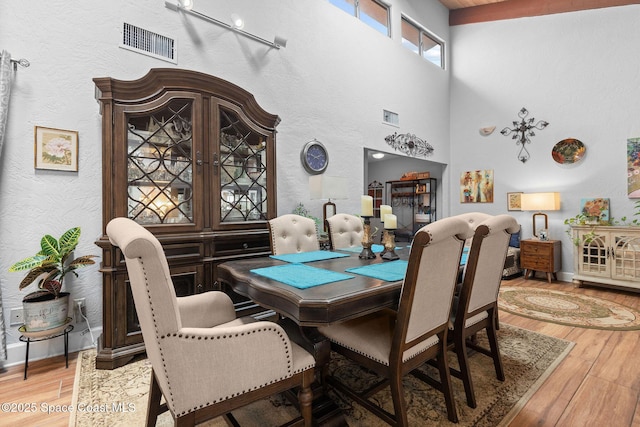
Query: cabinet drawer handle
(245, 246)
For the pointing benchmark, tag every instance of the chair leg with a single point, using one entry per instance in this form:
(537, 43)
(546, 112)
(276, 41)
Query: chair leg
(495, 352)
(445, 383)
(153, 408)
(465, 372)
(305, 397)
(399, 406)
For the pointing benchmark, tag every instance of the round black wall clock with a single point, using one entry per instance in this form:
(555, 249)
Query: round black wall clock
(314, 157)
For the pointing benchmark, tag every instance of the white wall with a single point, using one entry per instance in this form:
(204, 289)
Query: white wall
(331, 82)
(579, 72)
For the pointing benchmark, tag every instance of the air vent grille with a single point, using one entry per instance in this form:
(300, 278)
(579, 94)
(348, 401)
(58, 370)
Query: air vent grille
(390, 117)
(148, 43)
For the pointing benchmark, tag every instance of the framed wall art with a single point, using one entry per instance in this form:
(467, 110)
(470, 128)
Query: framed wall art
(56, 149)
(514, 202)
(633, 168)
(476, 186)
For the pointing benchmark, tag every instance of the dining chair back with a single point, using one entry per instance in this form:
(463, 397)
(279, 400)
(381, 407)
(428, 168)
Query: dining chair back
(345, 231)
(205, 361)
(476, 306)
(393, 343)
(292, 233)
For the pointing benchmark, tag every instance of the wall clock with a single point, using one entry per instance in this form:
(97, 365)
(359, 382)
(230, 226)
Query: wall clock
(314, 157)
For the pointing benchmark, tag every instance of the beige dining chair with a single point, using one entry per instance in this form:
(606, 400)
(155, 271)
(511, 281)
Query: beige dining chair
(345, 231)
(475, 308)
(205, 361)
(394, 343)
(292, 233)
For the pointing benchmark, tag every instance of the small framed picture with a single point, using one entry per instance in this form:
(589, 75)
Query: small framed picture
(56, 149)
(513, 201)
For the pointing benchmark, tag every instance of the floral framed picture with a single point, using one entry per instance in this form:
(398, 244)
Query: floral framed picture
(56, 149)
(513, 201)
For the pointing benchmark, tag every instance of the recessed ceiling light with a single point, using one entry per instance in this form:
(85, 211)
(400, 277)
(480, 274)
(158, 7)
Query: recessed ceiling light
(377, 155)
(237, 21)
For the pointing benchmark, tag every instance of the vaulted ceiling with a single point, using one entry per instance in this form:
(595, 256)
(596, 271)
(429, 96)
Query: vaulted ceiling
(470, 11)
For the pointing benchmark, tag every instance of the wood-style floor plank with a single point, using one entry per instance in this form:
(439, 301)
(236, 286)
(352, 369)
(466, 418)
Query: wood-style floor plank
(598, 383)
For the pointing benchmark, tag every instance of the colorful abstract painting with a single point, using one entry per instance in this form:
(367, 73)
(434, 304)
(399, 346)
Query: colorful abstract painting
(633, 168)
(476, 186)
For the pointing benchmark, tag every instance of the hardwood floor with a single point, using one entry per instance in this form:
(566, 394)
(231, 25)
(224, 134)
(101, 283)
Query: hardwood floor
(597, 384)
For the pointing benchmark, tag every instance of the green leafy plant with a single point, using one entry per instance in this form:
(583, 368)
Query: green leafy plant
(51, 264)
(301, 210)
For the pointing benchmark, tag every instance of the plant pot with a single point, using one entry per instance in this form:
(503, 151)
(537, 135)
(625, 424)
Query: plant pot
(45, 311)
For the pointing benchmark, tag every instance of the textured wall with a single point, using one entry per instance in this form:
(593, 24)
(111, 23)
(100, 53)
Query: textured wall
(331, 82)
(578, 71)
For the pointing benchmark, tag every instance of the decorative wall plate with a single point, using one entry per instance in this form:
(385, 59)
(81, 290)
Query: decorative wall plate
(568, 150)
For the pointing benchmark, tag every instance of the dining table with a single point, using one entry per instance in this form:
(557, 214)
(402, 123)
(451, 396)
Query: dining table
(312, 289)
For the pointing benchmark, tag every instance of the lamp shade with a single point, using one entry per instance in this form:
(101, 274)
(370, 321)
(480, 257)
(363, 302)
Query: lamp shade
(540, 201)
(323, 187)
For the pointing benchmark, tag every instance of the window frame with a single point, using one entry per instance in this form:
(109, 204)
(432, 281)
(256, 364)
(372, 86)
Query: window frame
(357, 13)
(423, 32)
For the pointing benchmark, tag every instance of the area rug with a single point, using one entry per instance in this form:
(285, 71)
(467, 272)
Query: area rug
(119, 397)
(568, 308)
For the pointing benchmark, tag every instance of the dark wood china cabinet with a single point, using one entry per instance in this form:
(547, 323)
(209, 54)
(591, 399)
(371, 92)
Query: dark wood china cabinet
(192, 158)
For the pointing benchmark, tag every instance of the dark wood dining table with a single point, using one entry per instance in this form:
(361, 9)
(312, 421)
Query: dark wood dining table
(303, 310)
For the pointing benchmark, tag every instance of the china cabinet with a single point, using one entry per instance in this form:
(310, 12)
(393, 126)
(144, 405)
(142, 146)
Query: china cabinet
(192, 158)
(374, 189)
(413, 202)
(607, 255)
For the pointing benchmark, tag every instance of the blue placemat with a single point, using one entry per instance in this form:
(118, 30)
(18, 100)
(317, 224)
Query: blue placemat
(390, 271)
(465, 255)
(300, 276)
(375, 248)
(300, 257)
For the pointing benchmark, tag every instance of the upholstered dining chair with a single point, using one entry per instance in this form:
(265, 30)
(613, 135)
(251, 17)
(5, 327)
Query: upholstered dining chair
(476, 306)
(394, 343)
(292, 233)
(205, 361)
(345, 231)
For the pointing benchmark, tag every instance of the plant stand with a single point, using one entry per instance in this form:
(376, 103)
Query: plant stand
(29, 340)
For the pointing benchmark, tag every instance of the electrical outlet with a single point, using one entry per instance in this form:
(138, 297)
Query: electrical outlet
(17, 316)
(78, 305)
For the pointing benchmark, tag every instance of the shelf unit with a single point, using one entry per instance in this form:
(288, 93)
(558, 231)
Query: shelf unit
(414, 204)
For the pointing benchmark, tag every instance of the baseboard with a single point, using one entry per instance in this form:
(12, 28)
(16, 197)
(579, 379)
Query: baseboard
(78, 340)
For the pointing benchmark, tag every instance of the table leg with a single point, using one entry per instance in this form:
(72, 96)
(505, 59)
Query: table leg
(26, 360)
(325, 411)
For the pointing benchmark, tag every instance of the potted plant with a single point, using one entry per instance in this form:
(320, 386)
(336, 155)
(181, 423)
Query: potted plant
(47, 307)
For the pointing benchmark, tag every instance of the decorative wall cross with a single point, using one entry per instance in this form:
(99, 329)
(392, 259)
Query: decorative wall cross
(523, 131)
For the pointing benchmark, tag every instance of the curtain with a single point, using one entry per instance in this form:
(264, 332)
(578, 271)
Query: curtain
(5, 90)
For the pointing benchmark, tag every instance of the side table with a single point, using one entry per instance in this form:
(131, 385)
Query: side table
(540, 255)
(29, 340)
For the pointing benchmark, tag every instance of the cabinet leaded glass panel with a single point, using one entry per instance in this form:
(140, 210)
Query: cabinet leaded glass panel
(159, 165)
(243, 170)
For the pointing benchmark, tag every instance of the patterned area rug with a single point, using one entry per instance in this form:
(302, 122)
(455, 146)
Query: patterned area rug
(568, 308)
(119, 397)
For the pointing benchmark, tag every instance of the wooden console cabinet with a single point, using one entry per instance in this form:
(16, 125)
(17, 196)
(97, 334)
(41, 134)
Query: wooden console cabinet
(607, 255)
(540, 255)
(192, 158)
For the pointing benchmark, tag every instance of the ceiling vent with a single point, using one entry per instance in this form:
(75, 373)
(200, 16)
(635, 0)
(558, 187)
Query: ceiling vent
(148, 43)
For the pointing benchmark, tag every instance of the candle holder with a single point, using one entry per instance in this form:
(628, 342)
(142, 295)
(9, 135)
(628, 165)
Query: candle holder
(367, 240)
(385, 237)
(389, 246)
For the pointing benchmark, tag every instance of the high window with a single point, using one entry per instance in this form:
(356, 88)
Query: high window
(371, 12)
(420, 41)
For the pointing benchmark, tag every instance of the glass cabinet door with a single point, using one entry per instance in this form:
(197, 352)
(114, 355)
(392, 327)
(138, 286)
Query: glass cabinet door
(242, 170)
(159, 164)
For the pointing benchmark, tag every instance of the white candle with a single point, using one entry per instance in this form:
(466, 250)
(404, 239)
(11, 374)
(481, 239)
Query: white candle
(366, 205)
(391, 222)
(384, 210)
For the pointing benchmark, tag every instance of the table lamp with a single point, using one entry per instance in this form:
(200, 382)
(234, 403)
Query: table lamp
(323, 187)
(540, 202)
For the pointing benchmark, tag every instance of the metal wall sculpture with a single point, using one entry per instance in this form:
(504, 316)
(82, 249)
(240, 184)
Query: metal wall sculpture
(409, 144)
(523, 131)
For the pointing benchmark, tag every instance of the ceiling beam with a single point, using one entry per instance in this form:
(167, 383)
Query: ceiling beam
(511, 9)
